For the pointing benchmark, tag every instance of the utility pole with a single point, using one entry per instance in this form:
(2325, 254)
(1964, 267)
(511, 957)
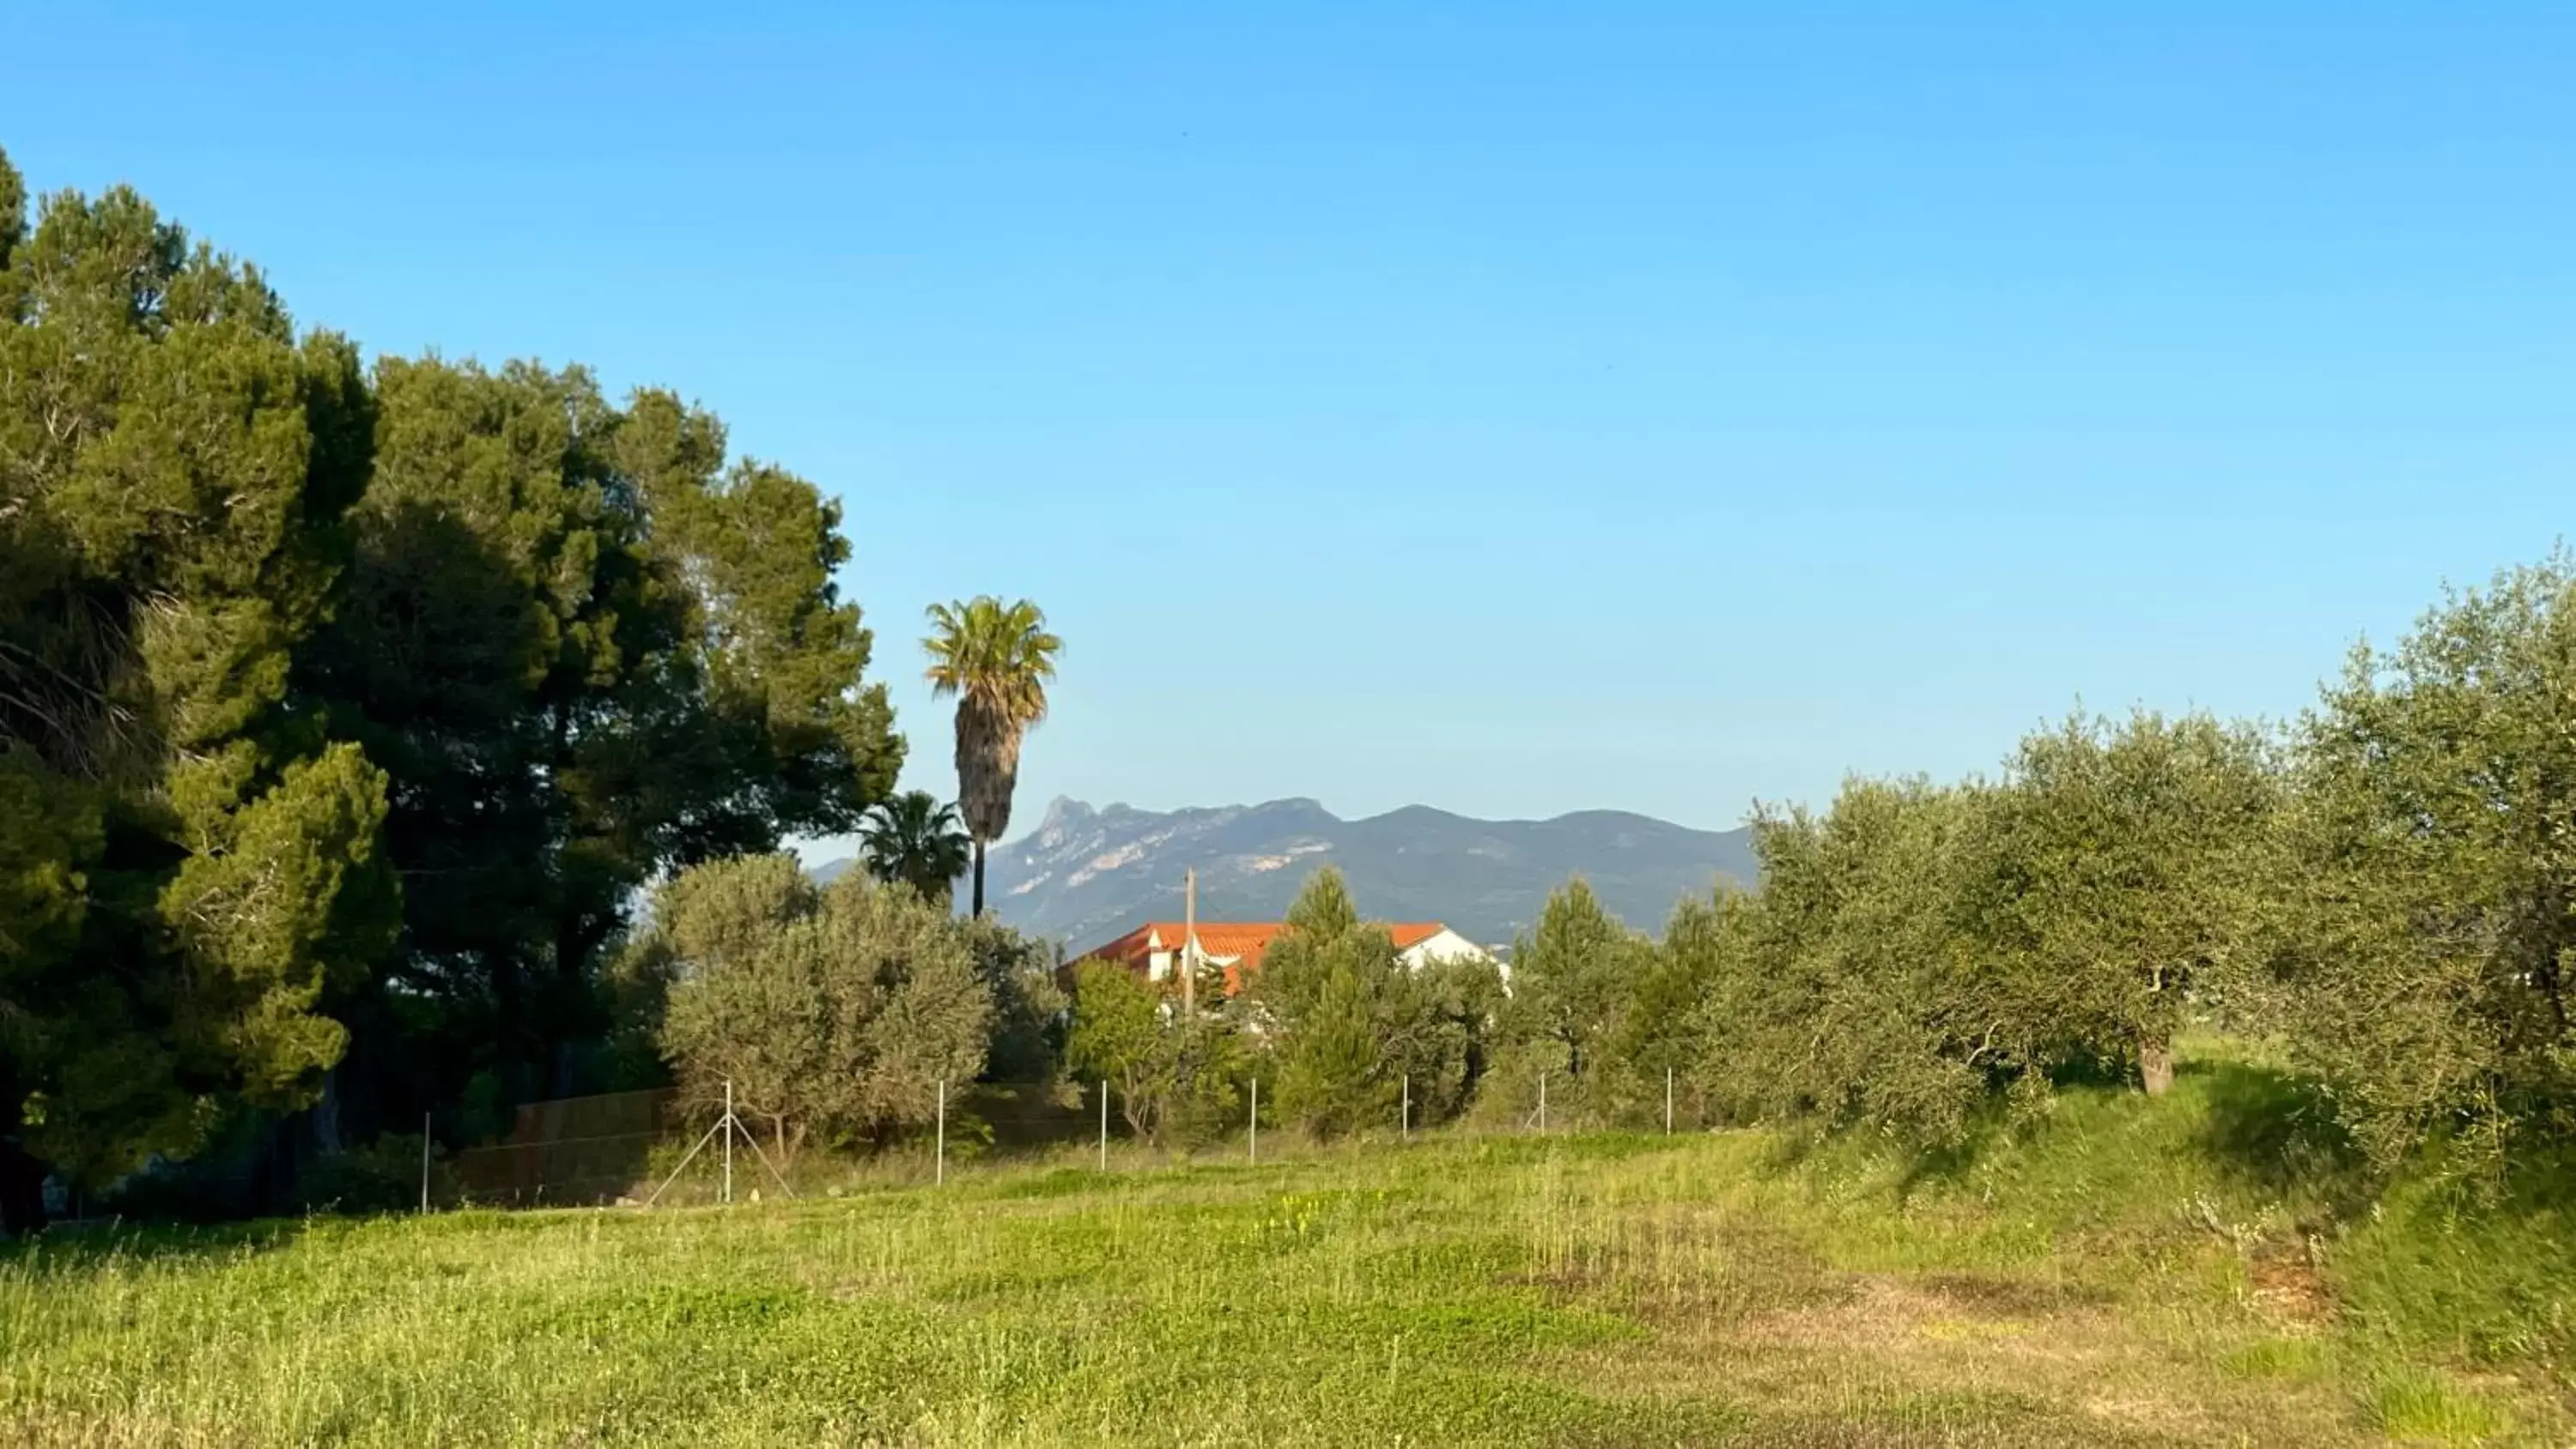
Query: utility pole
(1189, 943)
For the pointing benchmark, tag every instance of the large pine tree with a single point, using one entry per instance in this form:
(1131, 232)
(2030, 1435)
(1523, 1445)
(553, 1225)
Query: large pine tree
(587, 650)
(185, 863)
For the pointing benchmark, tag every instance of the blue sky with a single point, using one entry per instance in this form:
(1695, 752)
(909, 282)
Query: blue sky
(1510, 408)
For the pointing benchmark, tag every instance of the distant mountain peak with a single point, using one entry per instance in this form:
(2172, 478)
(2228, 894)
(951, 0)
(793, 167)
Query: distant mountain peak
(1084, 875)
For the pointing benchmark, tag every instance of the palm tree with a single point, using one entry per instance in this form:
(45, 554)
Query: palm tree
(914, 839)
(996, 658)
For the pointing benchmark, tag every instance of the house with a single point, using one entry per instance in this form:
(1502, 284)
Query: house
(1153, 949)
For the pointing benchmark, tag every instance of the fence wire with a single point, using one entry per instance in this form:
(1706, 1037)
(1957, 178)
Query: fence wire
(631, 1148)
(569, 1152)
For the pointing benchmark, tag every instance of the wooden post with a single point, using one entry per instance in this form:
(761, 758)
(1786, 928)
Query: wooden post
(939, 1154)
(1189, 943)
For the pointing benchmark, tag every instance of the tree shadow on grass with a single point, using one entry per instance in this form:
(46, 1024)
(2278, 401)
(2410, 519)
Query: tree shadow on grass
(2274, 1133)
(82, 1247)
(1946, 1164)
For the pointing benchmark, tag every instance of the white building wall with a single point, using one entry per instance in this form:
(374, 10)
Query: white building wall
(1447, 945)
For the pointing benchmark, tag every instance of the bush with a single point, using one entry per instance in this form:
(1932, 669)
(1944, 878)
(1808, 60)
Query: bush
(1177, 1082)
(833, 1013)
(1352, 1029)
(381, 1177)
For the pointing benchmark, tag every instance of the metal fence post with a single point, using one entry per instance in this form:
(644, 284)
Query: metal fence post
(1542, 1101)
(424, 1162)
(1104, 1124)
(727, 1127)
(939, 1161)
(1256, 1120)
(1405, 1118)
(1668, 1101)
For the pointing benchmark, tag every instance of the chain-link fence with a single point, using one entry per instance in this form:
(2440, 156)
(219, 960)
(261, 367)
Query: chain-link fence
(570, 1152)
(633, 1148)
(654, 1148)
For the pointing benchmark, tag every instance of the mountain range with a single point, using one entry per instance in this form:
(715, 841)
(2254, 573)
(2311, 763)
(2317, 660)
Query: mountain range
(1086, 874)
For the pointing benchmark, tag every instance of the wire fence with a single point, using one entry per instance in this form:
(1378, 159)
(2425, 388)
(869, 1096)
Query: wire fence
(565, 1153)
(653, 1148)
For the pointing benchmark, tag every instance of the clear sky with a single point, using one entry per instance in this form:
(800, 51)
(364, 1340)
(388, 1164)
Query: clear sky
(1510, 408)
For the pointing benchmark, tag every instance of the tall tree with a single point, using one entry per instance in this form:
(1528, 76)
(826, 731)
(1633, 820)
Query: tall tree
(185, 865)
(915, 840)
(1176, 1079)
(1354, 1029)
(2122, 867)
(996, 659)
(1572, 976)
(588, 651)
(1679, 1009)
(2430, 878)
(1857, 998)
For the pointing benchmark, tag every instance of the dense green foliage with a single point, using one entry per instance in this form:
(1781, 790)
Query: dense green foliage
(1918, 950)
(345, 713)
(1177, 1079)
(833, 1013)
(1354, 1033)
(914, 840)
(586, 652)
(2422, 969)
(1573, 979)
(188, 864)
(2386, 890)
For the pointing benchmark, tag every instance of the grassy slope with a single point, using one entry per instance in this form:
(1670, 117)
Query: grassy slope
(2131, 1273)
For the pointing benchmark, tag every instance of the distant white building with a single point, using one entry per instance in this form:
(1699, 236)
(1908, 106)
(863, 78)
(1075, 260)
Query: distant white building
(1234, 947)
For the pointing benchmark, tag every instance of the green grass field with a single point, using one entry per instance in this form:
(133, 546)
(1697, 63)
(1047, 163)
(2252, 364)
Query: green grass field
(2125, 1274)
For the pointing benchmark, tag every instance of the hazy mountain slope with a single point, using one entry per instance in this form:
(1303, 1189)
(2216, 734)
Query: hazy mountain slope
(1085, 874)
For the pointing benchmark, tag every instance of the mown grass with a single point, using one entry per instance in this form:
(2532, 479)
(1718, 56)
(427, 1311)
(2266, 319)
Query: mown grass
(2125, 1273)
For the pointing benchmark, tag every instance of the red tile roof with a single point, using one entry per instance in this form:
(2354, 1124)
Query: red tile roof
(1235, 945)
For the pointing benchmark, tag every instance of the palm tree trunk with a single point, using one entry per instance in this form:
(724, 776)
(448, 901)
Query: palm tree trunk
(979, 880)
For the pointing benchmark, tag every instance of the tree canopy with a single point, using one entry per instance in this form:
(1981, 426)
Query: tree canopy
(1355, 1030)
(344, 711)
(188, 861)
(835, 1012)
(915, 840)
(586, 651)
(995, 660)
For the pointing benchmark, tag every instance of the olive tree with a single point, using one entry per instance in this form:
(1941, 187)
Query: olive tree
(835, 1013)
(2429, 876)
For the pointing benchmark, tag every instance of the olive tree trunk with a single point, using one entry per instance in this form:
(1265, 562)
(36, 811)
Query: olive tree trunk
(2156, 1066)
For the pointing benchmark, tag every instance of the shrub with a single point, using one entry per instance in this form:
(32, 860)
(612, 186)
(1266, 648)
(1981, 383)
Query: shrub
(1176, 1081)
(833, 1012)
